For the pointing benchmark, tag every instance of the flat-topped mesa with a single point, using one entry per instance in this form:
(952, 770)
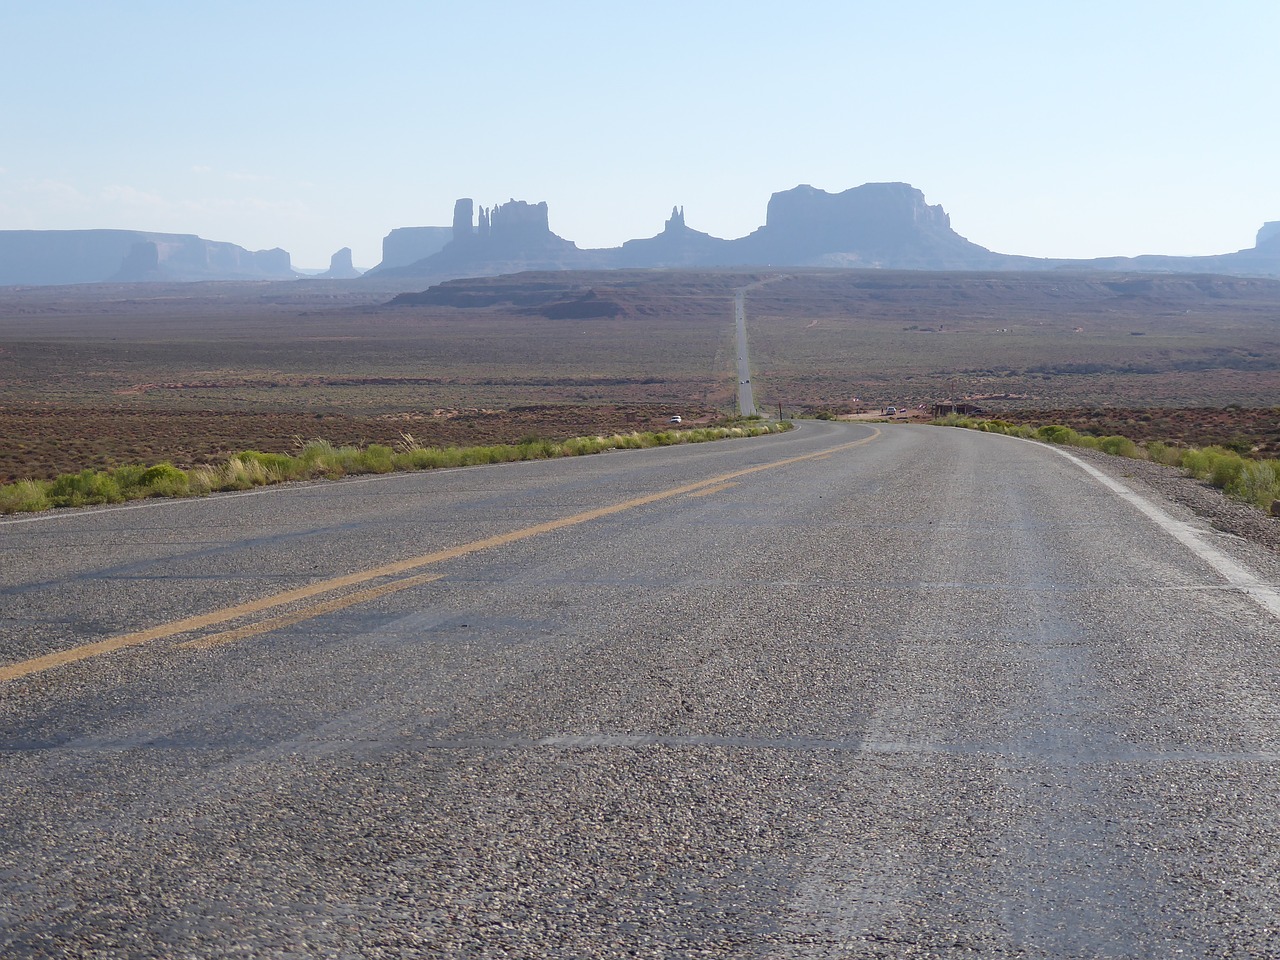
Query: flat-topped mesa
(405, 245)
(184, 258)
(40, 257)
(1269, 233)
(877, 221)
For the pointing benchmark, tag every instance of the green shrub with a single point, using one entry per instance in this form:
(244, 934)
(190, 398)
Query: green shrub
(1118, 447)
(1214, 465)
(1254, 481)
(161, 480)
(344, 460)
(315, 450)
(277, 465)
(1258, 482)
(1225, 468)
(428, 458)
(1160, 452)
(25, 496)
(583, 446)
(1056, 433)
(537, 449)
(1227, 471)
(1197, 462)
(129, 479)
(83, 489)
(375, 458)
(319, 458)
(1002, 427)
(482, 456)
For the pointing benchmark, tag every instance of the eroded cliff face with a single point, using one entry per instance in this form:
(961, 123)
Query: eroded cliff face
(187, 258)
(406, 245)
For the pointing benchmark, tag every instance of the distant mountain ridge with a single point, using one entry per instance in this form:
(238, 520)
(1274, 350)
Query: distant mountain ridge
(1262, 259)
(876, 225)
(44, 257)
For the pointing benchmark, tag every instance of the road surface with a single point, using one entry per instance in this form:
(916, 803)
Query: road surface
(746, 401)
(844, 692)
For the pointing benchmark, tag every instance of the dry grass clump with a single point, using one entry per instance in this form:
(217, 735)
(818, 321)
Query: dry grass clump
(320, 459)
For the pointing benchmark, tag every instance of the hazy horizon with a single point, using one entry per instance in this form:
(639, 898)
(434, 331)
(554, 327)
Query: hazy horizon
(1087, 131)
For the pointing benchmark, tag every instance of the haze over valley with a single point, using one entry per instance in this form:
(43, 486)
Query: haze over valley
(876, 225)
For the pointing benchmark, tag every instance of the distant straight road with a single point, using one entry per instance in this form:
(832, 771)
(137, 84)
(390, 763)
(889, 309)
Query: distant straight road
(845, 692)
(746, 399)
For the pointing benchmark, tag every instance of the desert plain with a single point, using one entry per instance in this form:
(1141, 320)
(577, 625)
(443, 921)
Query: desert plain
(100, 375)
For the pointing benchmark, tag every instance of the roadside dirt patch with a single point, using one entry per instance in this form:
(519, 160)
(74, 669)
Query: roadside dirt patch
(40, 444)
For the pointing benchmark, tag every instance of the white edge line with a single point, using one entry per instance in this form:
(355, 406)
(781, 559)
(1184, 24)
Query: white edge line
(1239, 578)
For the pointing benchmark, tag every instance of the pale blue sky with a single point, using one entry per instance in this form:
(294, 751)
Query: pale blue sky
(1048, 129)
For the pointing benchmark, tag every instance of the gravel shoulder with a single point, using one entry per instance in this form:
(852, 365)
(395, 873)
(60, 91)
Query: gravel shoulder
(1205, 501)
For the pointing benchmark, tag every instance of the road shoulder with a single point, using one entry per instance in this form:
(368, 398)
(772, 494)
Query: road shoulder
(1207, 502)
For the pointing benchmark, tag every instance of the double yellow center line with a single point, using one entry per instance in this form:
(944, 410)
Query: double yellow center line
(399, 568)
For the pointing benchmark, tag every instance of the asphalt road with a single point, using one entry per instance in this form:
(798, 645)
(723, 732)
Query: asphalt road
(835, 693)
(746, 397)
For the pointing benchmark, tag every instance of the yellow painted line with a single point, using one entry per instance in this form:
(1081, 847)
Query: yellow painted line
(163, 631)
(307, 613)
(710, 490)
